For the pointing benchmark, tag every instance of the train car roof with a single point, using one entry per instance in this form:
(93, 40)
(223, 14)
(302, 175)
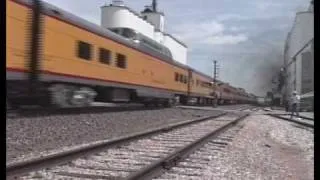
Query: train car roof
(63, 15)
(79, 22)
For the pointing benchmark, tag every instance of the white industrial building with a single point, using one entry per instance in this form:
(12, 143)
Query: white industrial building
(149, 22)
(299, 57)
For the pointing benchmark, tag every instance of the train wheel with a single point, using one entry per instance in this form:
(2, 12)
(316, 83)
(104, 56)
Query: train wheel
(203, 101)
(221, 102)
(60, 95)
(160, 104)
(166, 104)
(156, 103)
(8, 107)
(82, 97)
(169, 103)
(147, 104)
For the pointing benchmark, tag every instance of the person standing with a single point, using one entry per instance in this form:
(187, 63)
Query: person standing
(295, 100)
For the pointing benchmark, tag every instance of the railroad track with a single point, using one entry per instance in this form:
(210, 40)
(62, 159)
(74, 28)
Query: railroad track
(241, 108)
(141, 156)
(195, 166)
(234, 107)
(302, 117)
(300, 122)
(42, 111)
(254, 109)
(244, 108)
(223, 108)
(39, 112)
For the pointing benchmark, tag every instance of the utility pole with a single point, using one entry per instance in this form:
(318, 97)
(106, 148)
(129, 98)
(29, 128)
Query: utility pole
(215, 74)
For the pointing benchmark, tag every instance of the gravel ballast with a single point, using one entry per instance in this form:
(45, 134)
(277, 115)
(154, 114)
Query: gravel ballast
(264, 148)
(30, 136)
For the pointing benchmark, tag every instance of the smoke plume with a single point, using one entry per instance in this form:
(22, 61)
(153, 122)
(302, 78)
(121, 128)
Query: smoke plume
(268, 69)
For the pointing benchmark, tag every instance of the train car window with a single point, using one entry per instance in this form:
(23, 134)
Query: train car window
(181, 78)
(185, 79)
(104, 56)
(84, 50)
(208, 84)
(226, 90)
(176, 77)
(121, 61)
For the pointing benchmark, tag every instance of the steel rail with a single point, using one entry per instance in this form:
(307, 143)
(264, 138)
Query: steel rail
(303, 117)
(171, 160)
(17, 168)
(40, 112)
(287, 119)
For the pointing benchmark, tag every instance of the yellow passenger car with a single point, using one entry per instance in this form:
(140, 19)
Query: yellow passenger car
(81, 62)
(72, 62)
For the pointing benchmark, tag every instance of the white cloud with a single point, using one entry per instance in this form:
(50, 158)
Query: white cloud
(226, 39)
(193, 31)
(259, 15)
(226, 17)
(236, 28)
(210, 32)
(265, 5)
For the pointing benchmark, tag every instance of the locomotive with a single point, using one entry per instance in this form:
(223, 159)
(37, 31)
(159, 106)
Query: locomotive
(56, 58)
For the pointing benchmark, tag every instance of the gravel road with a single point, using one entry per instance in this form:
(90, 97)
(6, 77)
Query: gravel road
(30, 136)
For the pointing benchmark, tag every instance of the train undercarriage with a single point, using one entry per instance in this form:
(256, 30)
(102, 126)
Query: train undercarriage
(63, 95)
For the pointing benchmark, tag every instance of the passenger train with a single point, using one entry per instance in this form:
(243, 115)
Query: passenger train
(56, 58)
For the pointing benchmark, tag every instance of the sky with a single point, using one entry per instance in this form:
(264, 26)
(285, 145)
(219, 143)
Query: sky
(245, 37)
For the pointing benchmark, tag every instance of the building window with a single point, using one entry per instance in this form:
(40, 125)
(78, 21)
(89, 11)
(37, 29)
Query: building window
(84, 50)
(176, 77)
(121, 61)
(104, 56)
